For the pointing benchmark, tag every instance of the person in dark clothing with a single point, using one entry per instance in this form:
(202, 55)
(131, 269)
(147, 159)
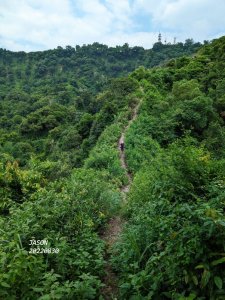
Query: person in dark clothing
(122, 146)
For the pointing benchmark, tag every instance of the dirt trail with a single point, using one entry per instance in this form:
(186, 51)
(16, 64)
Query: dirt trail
(116, 223)
(126, 188)
(110, 236)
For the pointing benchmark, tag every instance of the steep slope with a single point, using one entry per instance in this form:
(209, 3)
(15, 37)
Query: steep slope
(173, 244)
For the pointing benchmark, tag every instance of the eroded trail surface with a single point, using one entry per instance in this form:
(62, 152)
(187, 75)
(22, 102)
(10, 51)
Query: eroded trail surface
(110, 236)
(116, 223)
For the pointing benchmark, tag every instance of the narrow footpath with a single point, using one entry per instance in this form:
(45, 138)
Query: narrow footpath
(116, 223)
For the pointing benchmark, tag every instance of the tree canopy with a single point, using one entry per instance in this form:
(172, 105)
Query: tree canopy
(62, 113)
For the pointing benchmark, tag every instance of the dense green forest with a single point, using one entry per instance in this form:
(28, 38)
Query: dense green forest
(55, 104)
(62, 114)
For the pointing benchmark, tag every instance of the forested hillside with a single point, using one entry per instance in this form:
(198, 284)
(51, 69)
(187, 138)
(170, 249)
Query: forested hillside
(72, 70)
(62, 114)
(173, 246)
(55, 104)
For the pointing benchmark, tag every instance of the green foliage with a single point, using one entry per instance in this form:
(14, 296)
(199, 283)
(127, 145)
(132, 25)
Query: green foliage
(17, 184)
(66, 215)
(43, 94)
(105, 156)
(43, 119)
(174, 242)
(61, 116)
(186, 90)
(173, 245)
(140, 147)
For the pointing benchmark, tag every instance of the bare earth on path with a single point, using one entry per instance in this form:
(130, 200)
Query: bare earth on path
(110, 236)
(115, 225)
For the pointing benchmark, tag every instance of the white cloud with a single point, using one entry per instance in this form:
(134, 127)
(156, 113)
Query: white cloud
(122, 13)
(199, 19)
(43, 24)
(49, 24)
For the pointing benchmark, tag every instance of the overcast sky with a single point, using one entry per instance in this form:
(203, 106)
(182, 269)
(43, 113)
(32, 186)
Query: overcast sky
(31, 25)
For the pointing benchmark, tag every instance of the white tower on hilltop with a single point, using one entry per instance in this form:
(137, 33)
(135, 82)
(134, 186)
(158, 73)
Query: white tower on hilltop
(160, 38)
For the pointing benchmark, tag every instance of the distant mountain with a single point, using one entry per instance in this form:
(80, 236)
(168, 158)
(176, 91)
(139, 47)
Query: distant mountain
(84, 67)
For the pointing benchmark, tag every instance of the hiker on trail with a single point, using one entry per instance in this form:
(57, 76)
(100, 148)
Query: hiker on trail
(122, 145)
